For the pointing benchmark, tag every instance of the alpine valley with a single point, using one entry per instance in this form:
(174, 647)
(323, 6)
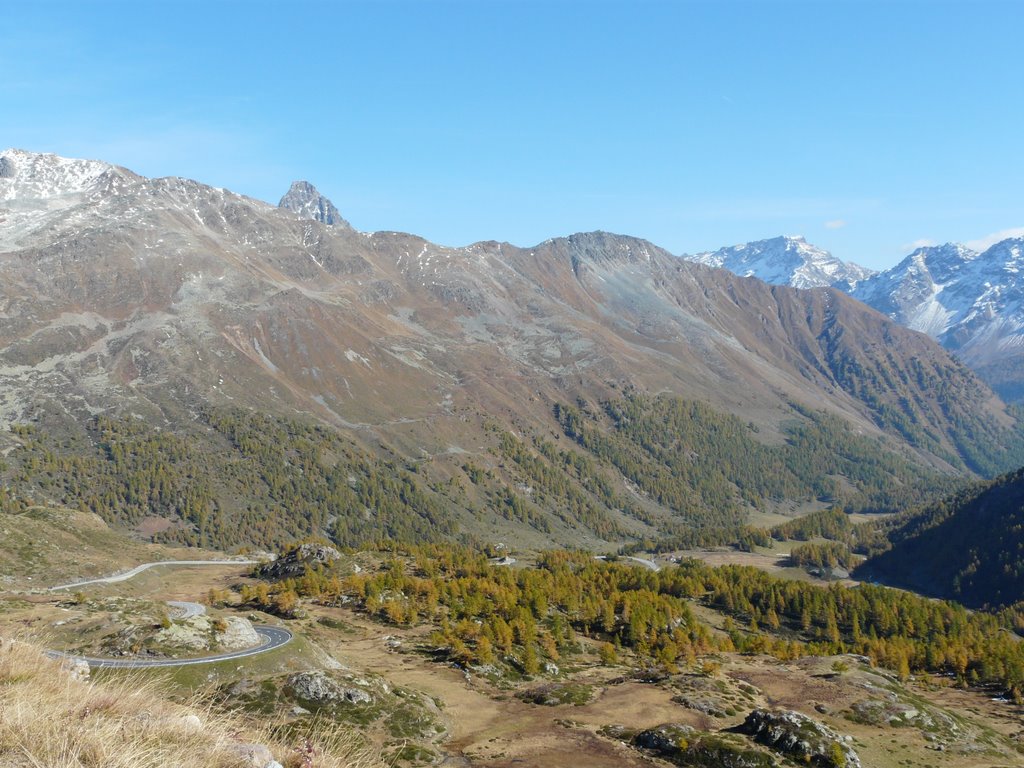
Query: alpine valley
(567, 504)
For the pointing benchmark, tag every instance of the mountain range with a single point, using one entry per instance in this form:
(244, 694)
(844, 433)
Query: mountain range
(970, 302)
(159, 299)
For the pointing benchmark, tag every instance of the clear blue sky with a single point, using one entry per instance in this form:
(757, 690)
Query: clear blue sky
(865, 126)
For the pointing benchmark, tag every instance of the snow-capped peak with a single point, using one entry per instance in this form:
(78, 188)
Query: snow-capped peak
(787, 260)
(37, 188)
(36, 176)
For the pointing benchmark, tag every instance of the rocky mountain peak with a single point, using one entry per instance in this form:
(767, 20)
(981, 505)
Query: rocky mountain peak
(942, 260)
(606, 247)
(305, 200)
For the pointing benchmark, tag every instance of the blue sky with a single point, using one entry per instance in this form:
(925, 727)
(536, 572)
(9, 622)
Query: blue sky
(864, 126)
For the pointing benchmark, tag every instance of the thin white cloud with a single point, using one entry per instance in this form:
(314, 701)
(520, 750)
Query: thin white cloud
(923, 242)
(835, 224)
(984, 243)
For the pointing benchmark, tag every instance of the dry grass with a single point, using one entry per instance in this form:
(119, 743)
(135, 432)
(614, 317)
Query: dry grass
(50, 719)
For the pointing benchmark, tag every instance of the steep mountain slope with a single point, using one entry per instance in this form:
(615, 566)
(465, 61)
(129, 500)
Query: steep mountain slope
(42, 546)
(166, 299)
(971, 303)
(969, 547)
(785, 261)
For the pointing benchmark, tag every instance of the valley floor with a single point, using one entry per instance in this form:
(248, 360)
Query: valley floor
(478, 719)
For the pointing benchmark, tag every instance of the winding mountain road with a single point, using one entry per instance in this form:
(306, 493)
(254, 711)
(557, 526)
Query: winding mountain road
(273, 637)
(186, 609)
(145, 567)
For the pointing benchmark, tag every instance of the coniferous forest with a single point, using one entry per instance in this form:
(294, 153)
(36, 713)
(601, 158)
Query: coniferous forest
(639, 473)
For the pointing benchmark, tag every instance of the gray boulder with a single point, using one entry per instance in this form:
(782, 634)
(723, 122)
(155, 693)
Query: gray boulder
(78, 669)
(252, 755)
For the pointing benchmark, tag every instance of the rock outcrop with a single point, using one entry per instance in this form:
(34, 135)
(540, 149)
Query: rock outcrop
(801, 738)
(203, 633)
(318, 689)
(236, 633)
(296, 562)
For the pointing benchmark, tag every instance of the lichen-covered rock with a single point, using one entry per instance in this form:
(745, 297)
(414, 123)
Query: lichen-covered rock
(317, 688)
(205, 633)
(665, 739)
(686, 746)
(800, 737)
(356, 696)
(192, 634)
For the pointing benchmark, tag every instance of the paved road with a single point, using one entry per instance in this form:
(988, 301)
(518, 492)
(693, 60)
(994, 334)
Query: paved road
(273, 637)
(646, 563)
(649, 563)
(146, 566)
(186, 610)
